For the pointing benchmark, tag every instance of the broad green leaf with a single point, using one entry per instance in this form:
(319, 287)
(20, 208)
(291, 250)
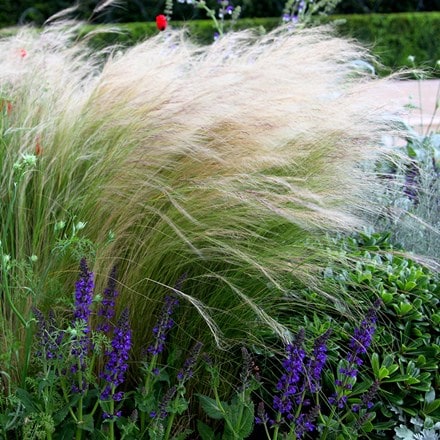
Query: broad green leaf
(241, 417)
(383, 373)
(205, 432)
(28, 402)
(211, 407)
(431, 406)
(87, 424)
(375, 364)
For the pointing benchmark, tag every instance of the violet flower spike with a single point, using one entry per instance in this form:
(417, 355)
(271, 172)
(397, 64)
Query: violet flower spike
(288, 385)
(187, 371)
(49, 338)
(84, 294)
(359, 344)
(164, 324)
(117, 363)
(163, 405)
(316, 365)
(107, 309)
(81, 344)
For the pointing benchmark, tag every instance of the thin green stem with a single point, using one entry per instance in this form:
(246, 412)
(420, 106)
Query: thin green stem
(79, 420)
(169, 426)
(227, 421)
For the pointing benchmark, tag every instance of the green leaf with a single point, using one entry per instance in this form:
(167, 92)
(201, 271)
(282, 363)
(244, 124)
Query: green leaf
(430, 396)
(205, 432)
(178, 406)
(87, 424)
(383, 373)
(375, 364)
(211, 407)
(241, 417)
(28, 402)
(431, 406)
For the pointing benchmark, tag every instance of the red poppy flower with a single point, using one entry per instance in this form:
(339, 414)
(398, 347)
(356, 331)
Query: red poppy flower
(161, 22)
(38, 147)
(8, 105)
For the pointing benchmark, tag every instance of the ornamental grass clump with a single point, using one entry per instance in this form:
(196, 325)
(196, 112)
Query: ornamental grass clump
(228, 162)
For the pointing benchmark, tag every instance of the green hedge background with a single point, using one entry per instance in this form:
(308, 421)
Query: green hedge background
(392, 37)
(14, 12)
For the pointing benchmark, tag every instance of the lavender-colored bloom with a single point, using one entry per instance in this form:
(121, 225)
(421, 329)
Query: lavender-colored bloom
(163, 405)
(288, 385)
(316, 364)
(359, 344)
(81, 344)
(49, 338)
(116, 366)
(187, 371)
(362, 338)
(83, 294)
(107, 309)
(164, 324)
(262, 418)
(305, 422)
(367, 398)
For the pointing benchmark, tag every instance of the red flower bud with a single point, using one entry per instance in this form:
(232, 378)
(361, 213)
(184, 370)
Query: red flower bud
(38, 148)
(161, 22)
(23, 53)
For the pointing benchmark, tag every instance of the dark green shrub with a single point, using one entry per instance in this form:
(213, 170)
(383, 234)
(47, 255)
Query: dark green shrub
(406, 350)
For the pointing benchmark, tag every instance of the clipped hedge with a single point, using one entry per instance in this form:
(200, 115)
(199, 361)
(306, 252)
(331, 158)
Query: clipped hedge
(392, 37)
(396, 36)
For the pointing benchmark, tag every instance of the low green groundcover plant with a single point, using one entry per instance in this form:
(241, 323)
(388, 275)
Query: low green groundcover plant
(330, 378)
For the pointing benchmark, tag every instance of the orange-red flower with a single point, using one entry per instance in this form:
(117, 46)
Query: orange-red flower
(161, 22)
(8, 106)
(38, 147)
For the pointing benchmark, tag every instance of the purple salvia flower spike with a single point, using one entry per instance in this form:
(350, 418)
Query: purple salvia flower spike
(81, 343)
(288, 385)
(83, 294)
(187, 372)
(117, 363)
(359, 344)
(107, 309)
(165, 322)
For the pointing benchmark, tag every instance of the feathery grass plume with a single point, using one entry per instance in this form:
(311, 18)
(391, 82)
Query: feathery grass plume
(228, 162)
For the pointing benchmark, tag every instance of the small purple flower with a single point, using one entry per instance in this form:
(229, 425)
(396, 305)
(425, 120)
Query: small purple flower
(359, 344)
(83, 294)
(164, 324)
(163, 405)
(107, 309)
(288, 385)
(367, 398)
(316, 364)
(262, 418)
(187, 371)
(117, 363)
(49, 338)
(81, 344)
(305, 422)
